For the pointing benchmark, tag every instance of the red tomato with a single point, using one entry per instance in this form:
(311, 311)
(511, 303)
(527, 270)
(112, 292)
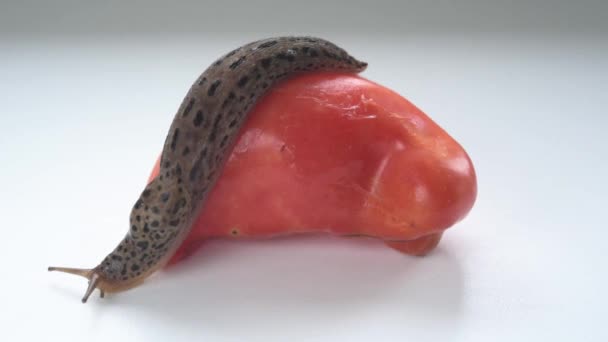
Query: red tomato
(339, 154)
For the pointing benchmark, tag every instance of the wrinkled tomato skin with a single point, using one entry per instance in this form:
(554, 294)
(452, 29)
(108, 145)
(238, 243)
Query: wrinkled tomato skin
(340, 154)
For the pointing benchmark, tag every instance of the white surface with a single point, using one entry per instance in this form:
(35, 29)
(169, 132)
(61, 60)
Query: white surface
(84, 117)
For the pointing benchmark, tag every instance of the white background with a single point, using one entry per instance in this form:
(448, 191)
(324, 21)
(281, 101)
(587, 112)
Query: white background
(87, 93)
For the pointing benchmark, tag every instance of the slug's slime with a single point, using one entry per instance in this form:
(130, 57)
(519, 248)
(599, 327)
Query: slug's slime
(199, 142)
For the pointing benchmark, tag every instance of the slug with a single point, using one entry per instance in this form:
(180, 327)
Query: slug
(197, 146)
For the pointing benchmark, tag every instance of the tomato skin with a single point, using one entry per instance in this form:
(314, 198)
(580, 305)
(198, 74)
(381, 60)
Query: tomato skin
(337, 153)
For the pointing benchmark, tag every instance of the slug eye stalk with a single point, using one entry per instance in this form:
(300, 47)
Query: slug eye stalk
(88, 273)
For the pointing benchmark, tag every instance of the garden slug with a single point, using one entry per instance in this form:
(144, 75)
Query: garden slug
(197, 146)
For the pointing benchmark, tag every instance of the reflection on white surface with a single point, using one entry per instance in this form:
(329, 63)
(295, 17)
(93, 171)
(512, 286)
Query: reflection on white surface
(322, 280)
(84, 119)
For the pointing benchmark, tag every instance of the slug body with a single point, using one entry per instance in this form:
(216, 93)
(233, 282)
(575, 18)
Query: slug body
(197, 145)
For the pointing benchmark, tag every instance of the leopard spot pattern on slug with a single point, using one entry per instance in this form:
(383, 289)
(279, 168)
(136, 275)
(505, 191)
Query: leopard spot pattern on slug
(199, 142)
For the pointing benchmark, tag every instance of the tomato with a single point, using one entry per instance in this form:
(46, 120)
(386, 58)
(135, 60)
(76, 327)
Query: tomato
(337, 153)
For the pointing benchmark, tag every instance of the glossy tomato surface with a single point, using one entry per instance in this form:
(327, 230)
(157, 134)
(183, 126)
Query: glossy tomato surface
(339, 154)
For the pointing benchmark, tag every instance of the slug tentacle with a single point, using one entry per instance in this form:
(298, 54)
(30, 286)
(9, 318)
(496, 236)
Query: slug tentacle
(83, 272)
(197, 146)
(86, 273)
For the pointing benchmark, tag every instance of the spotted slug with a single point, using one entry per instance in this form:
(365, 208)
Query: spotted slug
(197, 146)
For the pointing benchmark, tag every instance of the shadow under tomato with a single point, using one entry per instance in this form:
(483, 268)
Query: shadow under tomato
(229, 285)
